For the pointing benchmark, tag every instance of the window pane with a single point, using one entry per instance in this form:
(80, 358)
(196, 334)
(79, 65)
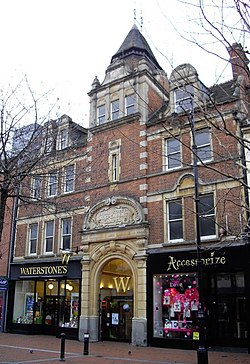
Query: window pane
(69, 179)
(207, 215)
(130, 105)
(176, 230)
(33, 238)
(206, 205)
(24, 302)
(173, 153)
(175, 220)
(202, 139)
(175, 210)
(115, 109)
(204, 153)
(101, 114)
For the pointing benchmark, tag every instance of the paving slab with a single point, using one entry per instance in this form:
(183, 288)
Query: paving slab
(22, 349)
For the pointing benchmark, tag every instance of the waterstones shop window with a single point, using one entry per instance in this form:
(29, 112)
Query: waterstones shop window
(176, 301)
(50, 302)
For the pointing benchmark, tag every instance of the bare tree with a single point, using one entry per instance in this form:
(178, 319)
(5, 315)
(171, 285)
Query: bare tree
(21, 132)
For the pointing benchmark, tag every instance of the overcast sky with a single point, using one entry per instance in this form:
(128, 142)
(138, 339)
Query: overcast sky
(63, 44)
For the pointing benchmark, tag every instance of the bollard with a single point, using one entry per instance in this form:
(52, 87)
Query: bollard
(86, 344)
(62, 354)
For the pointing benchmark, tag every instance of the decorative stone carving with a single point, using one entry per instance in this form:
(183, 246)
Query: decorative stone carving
(115, 211)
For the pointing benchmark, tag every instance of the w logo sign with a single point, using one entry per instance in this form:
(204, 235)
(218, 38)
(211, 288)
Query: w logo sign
(121, 283)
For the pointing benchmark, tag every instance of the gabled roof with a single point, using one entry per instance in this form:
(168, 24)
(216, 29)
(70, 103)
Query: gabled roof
(135, 44)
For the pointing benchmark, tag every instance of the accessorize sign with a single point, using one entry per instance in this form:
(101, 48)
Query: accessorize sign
(212, 259)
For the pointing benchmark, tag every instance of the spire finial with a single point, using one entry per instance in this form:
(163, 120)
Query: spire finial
(141, 21)
(134, 15)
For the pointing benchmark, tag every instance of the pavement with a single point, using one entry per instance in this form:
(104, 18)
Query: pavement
(15, 348)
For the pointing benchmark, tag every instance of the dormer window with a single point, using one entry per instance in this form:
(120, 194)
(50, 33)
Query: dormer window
(184, 98)
(101, 114)
(129, 104)
(114, 109)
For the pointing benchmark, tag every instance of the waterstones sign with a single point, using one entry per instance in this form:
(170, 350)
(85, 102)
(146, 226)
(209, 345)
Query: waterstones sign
(44, 270)
(212, 259)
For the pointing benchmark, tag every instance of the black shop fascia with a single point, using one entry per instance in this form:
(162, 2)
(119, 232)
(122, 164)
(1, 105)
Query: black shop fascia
(173, 297)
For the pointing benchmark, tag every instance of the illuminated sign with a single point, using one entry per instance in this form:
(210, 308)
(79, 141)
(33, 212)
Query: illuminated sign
(44, 270)
(177, 264)
(121, 283)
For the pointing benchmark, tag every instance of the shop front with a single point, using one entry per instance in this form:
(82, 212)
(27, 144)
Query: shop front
(45, 299)
(174, 296)
(4, 285)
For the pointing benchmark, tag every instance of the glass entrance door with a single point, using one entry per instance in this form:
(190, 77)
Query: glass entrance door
(116, 301)
(116, 318)
(227, 319)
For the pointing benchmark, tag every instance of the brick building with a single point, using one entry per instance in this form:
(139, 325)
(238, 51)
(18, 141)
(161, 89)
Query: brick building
(106, 240)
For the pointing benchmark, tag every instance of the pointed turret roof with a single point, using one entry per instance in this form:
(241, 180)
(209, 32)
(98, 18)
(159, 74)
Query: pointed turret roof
(135, 44)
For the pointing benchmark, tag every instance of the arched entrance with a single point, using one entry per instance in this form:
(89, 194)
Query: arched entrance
(114, 257)
(116, 301)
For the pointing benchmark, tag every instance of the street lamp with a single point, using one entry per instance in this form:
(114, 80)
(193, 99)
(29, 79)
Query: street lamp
(202, 355)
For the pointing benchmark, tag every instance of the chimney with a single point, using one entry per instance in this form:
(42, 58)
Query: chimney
(239, 61)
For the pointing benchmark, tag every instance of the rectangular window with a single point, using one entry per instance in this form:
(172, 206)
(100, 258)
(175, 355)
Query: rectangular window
(175, 309)
(207, 216)
(101, 114)
(114, 167)
(130, 104)
(202, 138)
(184, 98)
(69, 177)
(52, 184)
(49, 236)
(173, 154)
(33, 234)
(114, 109)
(66, 234)
(63, 139)
(175, 224)
(37, 187)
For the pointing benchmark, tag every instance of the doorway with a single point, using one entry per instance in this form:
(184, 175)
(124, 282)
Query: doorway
(228, 310)
(116, 302)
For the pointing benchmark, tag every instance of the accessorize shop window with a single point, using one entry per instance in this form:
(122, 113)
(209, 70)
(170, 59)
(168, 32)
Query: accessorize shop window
(176, 302)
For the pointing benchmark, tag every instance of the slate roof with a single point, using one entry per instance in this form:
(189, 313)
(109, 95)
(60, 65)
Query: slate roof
(224, 92)
(135, 44)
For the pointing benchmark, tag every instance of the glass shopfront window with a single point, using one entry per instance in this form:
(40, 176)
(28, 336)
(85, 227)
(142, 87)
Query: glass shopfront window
(24, 302)
(176, 301)
(51, 302)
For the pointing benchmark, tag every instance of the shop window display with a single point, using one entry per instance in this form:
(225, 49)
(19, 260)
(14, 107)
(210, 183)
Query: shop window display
(176, 302)
(51, 302)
